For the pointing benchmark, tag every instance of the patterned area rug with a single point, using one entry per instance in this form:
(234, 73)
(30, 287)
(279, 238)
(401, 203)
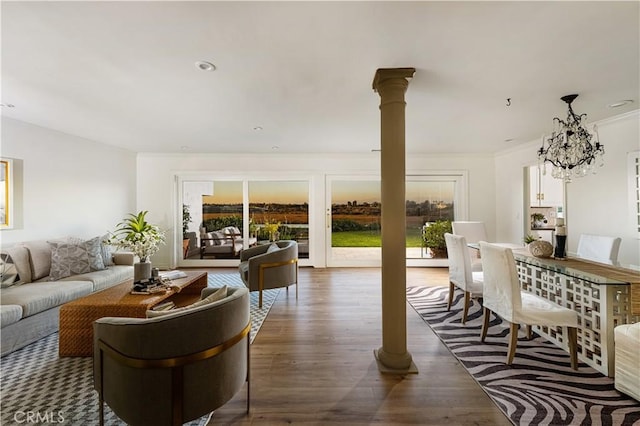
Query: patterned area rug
(539, 388)
(38, 387)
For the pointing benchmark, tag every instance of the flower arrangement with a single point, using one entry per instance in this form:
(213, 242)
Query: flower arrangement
(271, 229)
(137, 235)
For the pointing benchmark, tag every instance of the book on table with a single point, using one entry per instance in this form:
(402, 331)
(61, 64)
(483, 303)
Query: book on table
(172, 275)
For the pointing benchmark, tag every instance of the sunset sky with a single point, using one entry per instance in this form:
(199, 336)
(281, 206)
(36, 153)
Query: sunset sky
(342, 191)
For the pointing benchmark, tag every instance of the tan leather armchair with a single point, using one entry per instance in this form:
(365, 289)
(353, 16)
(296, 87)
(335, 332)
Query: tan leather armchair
(174, 368)
(270, 266)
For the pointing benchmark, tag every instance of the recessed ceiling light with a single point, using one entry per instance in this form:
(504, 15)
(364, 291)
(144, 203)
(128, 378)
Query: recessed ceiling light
(257, 128)
(184, 148)
(509, 140)
(7, 105)
(275, 147)
(205, 66)
(620, 103)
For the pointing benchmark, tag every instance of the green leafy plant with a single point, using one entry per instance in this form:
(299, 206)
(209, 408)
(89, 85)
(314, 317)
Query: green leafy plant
(134, 233)
(529, 239)
(253, 228)
(186, 220)
(217, 223)
(433, 236)
(537, 217)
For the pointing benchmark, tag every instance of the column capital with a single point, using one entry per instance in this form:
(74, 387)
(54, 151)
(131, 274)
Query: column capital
(385, 74)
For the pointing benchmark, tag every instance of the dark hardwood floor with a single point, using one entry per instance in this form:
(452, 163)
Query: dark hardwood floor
(312, 361)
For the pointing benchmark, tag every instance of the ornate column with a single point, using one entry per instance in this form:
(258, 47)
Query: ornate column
(391, 84)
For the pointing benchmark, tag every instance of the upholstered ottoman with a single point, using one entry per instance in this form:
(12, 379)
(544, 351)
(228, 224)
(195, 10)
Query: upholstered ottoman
(627, 370)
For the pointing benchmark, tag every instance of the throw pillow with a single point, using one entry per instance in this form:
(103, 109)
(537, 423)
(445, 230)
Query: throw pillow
(8, 271)
(273, 247)
(94, 251)
(75, 258)
(209, 239)
(220, 238)
(220, 294)
(106, 251)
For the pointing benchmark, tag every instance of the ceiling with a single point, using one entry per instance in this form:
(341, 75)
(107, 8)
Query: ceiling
(296, 77)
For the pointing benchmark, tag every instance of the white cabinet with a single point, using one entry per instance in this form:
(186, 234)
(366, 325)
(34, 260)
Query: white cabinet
(544, 190)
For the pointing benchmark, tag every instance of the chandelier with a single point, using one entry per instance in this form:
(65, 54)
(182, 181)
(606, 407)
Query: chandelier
(571, 149)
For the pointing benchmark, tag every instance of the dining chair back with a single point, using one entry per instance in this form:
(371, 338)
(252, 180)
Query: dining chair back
(474, 232)
(599, 248)
(502, 295)
(460, 273)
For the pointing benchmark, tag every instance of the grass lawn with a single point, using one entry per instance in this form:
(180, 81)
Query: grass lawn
(369, 239)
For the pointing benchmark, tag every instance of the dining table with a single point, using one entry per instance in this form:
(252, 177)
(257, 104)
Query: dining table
(604, 296)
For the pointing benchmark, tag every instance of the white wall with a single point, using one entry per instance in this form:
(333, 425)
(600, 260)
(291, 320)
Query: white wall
(157, 188)
(596, 204)
(70, 186)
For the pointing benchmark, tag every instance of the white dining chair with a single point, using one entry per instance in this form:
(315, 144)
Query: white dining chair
(599, 248)
(474, 232)
(503, 296)
(460, 273)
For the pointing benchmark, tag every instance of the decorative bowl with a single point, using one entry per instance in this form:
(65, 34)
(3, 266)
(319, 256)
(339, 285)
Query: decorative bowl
(540, 248)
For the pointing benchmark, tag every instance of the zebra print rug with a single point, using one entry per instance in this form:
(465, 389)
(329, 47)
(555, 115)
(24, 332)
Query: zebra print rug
(539, 388)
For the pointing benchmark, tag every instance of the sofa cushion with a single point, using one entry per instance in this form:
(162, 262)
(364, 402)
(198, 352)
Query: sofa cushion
(10, 314)
(70, 258)
(106, 278)
(106, 251)
(8, 272)
(40, 256)
(20, 257)
(39, 296)
(219, 294)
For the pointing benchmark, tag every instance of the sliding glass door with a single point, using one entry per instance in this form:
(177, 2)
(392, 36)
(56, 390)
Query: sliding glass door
(353, 231)
(224, 216)
(219, 217)
(279, 210)
(353, 221)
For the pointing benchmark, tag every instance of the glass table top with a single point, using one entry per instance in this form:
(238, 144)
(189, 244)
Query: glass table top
(592, 272)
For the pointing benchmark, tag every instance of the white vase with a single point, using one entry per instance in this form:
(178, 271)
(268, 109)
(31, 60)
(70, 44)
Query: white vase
(141, 271)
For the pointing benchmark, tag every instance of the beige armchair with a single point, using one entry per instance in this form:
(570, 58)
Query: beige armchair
(270, 266)
(173, 368)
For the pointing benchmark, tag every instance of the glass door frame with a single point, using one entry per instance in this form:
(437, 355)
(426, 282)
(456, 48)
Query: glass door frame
(245, 179)
(461, 209)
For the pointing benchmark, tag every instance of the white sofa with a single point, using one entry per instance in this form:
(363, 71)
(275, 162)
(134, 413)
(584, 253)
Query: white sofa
(29, 306)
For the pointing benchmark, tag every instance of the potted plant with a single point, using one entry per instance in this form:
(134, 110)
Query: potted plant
(137, 235)
(537, 220)
(186, 220)
(433, 236)
(529, 239)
